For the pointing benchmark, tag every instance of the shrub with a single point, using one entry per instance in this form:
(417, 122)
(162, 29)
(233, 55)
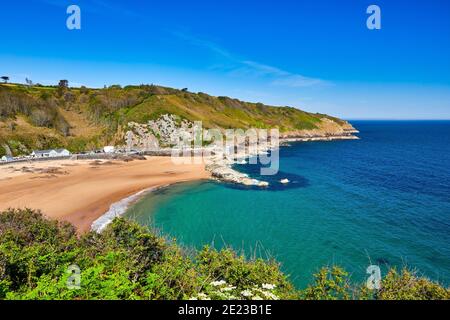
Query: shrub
(226, 265)
(127, 261)
(31, 246)
(406, 285)
(329, 284)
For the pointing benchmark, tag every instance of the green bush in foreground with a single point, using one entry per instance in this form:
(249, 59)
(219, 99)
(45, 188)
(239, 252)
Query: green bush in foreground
(127, 261)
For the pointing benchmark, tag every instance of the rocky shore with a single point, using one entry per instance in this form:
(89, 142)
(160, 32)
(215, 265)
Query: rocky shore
(221, 169)
(319, 138)
(168, 127)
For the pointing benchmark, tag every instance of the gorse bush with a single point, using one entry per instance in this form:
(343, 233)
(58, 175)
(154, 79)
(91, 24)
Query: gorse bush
(329, 284)
(406, 285)
(240, 273)
(127, 261)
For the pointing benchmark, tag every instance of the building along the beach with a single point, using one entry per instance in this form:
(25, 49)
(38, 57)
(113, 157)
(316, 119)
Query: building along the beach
(6, 159)
(109, 149)
(51, 153)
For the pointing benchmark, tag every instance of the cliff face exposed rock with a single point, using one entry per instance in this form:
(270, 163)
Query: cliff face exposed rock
(168, 129)
(223, 172)
(155, 134)
(140, 137)
(327, 129)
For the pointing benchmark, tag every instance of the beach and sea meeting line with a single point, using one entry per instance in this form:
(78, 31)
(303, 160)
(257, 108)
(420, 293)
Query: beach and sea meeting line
(232, 158)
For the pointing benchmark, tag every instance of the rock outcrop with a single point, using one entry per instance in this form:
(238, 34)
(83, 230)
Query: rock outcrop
(159, 135)
(221, 170)
(326, 130)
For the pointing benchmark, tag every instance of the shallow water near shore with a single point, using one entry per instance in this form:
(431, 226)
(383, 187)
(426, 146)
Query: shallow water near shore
(384, 199)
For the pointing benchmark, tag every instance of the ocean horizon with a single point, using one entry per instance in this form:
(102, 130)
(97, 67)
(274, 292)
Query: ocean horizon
(382, 200)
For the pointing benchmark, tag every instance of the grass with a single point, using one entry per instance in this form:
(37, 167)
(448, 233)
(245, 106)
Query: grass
(74, 118)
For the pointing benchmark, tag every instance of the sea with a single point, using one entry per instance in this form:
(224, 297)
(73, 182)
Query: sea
(382, 200)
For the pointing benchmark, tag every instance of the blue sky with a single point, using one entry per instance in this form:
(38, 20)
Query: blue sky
(315, 55)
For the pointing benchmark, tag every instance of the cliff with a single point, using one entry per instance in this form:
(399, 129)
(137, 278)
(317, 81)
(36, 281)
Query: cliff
(41, 117)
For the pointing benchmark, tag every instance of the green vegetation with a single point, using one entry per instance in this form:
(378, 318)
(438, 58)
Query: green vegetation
(127, 261)
(40, 117)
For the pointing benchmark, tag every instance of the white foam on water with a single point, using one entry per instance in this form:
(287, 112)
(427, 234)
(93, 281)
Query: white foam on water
(118, 209)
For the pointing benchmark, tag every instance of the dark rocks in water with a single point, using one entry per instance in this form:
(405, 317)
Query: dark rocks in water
(382, 261)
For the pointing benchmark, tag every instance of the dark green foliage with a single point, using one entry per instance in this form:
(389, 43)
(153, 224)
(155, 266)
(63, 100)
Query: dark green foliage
(31, 246)
(238, 271)
(142, 248)
(406, 285)
(329, 284)
(127, 261)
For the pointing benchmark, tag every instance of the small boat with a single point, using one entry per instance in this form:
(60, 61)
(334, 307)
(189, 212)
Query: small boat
(284, 181)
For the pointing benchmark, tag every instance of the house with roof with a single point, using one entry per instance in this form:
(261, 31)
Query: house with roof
(50, 153)
(6, 158)
(62, 152)
(109, 149)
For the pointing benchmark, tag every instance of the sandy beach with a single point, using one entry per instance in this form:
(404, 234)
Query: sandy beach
(80, 191)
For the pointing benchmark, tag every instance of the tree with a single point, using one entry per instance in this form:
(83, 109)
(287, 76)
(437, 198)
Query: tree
(63, 84)
(28, 82)
(5, 79)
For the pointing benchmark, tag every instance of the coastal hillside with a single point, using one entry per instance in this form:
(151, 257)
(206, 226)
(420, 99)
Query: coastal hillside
(81, 119)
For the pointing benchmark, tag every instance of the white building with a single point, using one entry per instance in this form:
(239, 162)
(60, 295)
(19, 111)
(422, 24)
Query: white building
(62, 152)
(42, 153)
(109, 149)
(6, 158)
(50, 153)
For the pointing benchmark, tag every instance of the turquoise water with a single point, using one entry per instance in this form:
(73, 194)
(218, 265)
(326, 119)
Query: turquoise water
(384, 199)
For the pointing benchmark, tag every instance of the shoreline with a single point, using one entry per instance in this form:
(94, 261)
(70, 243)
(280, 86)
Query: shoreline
(81, 192)
(221, 168)
(314, 139)
(119, 208)
(22, 185)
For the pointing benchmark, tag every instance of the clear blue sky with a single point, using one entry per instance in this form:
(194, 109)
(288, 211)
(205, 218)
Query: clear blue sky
(316, 55)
